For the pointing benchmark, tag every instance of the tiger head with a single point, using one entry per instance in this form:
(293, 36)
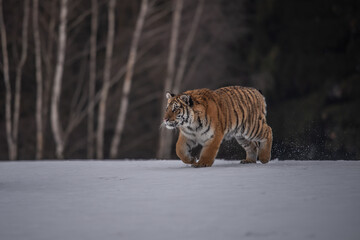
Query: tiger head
(178, 111)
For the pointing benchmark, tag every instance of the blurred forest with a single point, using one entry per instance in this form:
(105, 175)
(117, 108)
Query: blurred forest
(86, 79)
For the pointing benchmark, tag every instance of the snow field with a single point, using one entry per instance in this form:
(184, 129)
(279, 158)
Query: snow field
(169, 200)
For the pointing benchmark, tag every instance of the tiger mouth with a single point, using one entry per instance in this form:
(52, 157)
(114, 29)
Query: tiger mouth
(171, 125)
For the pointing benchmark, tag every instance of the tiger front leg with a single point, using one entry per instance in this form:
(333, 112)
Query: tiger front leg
(183, 148)
(209, 152)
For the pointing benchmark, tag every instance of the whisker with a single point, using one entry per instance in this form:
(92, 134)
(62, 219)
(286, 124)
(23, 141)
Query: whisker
(162, 125)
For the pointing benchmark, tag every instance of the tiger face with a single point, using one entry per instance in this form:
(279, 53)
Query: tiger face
(178, 111)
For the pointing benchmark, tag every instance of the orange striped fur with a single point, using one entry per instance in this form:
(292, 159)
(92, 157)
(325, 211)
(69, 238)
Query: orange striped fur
(206, 117)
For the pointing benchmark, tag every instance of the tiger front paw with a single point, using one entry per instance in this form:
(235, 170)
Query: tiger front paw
(247, 161)
(201, 164)
(192, 160)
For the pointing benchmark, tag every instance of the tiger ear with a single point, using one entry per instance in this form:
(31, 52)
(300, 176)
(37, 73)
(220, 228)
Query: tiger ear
(187, 99)
(169, 95)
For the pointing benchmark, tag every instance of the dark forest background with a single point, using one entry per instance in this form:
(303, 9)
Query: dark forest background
(303, 55)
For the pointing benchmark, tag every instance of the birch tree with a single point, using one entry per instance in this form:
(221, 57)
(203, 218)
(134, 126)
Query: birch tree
(48, 59)
(24, 45)
(175, 75)
(186, 48)
(12, 116)
(39, 81)
(165, 138)
(6, 77)
(92, 78)
(106, 81)
(56, 91)
(128, 79)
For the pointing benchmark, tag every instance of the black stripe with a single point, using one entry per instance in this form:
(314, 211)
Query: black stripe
(249, 96)
(181, 112)
(226, 118)
(264, 132)
(187, 115)
(200, 124)
(188, 133)
(212, 98)
(228, 97)
(207, 130)
(249, 128)
(218, 110)
(241, 102)
(218, 113)
(252, 126)
(229, 122)
(242, 129)
(255, 98)
(258, 130)
(233, 105)
(255, 110)
(206, 118)
(255, 129)
(246, 144)
(261, 125)
(243, 142)
(250, 113)
(248, 99)
(224, 109)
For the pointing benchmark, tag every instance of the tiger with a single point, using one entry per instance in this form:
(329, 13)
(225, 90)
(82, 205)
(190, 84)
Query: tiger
(206, 117)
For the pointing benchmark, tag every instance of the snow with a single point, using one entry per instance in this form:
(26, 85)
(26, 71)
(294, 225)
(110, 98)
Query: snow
(169, 200)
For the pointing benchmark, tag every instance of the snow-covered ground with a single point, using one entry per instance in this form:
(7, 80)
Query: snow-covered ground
(105, 200)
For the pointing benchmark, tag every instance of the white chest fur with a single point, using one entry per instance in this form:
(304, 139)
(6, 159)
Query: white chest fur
(200, 136)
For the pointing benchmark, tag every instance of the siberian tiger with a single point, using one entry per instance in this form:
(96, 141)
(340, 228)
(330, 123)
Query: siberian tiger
(206, 117)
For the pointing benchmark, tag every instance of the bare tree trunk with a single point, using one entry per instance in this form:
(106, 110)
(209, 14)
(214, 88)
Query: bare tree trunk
(17, 97)
(165, 138)
(106, 81)
(55, 100)
(128, 79)
(92, 78)
(48, 62)
(39, 82)
(185, 51)
(8, 94)
(12, 124)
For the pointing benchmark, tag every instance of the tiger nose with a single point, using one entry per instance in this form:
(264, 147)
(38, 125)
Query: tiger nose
(166, 119)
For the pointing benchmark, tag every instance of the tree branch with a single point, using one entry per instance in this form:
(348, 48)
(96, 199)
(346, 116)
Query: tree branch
(128, 79)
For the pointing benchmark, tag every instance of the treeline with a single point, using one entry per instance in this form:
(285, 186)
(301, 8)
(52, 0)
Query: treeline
(86, 79)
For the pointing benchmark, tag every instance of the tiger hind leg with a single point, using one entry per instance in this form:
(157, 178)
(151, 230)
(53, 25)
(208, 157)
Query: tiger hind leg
(265, 146)
(251, 149)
